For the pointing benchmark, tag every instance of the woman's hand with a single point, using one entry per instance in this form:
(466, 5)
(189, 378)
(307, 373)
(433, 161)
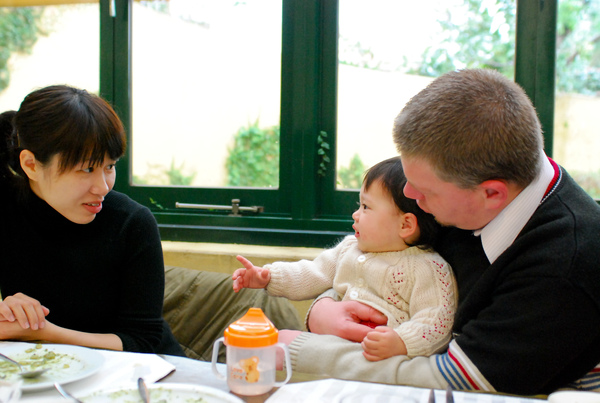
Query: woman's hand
(24, 310)
(343, 319)
(14, 331)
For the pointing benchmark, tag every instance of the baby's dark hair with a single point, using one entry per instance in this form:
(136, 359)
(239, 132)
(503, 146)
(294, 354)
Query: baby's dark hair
(392, 178)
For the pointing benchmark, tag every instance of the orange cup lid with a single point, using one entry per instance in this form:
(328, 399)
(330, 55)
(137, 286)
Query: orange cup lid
(253, 329)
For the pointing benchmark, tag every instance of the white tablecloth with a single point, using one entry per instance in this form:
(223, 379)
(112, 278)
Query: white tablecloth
(338, 391)
(122, 369)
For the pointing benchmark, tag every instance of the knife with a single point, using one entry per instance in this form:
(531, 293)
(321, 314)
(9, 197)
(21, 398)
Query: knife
(449, 397)
(143, 390)
(431, 396)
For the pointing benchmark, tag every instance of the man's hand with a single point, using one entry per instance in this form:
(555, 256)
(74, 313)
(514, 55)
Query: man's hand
(382, 343)
(343, 319)
(26, 311)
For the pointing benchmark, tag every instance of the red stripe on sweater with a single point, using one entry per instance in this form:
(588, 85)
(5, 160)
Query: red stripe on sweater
(555, 178)
(463, 370)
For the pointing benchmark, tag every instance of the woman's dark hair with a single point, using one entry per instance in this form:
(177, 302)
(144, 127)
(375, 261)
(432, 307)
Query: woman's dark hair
(392, 178)
(60, 120)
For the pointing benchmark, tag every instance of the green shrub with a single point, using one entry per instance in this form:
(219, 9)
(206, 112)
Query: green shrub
(351, 177)
(162, 176)
(253, 160)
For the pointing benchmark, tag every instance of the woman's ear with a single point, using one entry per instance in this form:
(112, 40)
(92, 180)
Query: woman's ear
(408, 226)
(29, 164)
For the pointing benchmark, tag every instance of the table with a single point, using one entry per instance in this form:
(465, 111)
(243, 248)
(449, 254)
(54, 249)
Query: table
(200, 373)
(121, 369)
(314, 389)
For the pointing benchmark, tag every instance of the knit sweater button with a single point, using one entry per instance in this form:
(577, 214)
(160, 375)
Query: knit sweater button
(362, 258)
(354, 294)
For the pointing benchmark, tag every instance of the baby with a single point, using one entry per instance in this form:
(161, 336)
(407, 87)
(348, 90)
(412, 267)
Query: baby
(387, 264)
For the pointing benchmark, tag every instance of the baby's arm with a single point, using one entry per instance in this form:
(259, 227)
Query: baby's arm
(251, 276)
(381, 343)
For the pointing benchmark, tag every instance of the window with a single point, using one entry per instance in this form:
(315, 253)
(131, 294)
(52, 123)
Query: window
(391, 50)
(576, 140)
(53, 44)
(312, 80)
(310, 204)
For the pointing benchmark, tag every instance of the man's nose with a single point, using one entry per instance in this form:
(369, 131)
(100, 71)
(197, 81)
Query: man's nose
(411, 192)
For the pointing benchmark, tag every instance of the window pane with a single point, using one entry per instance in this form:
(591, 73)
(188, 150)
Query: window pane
(206, 92)
(47, 45)
(576, 117)
(392, 49)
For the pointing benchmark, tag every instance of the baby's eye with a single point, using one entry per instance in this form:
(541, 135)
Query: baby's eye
(362, 205)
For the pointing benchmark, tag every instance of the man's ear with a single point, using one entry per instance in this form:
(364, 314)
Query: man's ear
(408, 225)
(30, 165)
(495, 193)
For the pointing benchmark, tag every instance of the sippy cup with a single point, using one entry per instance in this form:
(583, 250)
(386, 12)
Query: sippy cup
(251, 346)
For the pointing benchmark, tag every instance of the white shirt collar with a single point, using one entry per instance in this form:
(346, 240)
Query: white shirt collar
(501, 232)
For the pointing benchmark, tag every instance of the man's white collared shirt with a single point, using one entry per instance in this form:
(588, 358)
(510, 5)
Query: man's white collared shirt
(501, 232)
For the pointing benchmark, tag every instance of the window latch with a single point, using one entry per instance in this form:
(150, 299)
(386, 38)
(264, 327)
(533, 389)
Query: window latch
(235, 207)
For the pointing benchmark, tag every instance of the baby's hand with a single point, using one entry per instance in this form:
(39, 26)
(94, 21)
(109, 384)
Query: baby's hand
(383, 342)
(251, 276)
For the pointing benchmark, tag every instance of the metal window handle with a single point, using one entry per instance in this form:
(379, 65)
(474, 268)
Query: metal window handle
(235, 207)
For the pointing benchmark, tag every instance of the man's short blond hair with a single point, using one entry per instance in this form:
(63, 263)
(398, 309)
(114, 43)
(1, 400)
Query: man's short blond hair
(472, 125)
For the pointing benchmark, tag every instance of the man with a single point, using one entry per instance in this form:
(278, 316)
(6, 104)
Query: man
(522, 237)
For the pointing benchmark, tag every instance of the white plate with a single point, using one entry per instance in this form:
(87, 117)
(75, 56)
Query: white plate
(71, 364)
(168, 392)
(568, 396)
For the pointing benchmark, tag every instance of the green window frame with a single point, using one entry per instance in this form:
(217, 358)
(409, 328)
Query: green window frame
(306, 209)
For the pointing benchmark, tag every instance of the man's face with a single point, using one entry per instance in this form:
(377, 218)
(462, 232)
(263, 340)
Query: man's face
(449, 204)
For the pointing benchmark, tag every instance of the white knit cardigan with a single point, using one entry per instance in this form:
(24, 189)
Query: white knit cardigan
(414, 288)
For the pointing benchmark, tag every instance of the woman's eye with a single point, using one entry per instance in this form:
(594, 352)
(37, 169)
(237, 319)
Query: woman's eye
(110, 167)
(88, 170)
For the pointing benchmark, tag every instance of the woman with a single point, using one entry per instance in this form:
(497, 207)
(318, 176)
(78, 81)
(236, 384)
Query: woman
(80, 264)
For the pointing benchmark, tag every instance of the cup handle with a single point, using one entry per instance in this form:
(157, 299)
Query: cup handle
(288, 364)
(215, 356)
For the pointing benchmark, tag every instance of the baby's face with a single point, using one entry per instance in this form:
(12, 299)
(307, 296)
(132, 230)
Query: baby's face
(378, 221)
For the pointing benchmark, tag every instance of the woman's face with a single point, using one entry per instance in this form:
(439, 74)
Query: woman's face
(77, 193)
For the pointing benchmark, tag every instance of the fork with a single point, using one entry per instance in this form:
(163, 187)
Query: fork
(449, 396)
(66, 394)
